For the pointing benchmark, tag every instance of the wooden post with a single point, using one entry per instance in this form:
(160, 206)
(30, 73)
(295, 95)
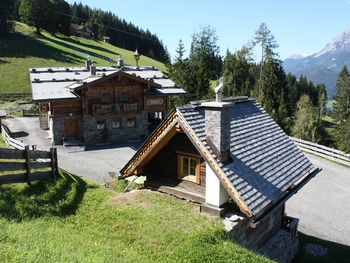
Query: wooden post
(54, 165)
(27, 158)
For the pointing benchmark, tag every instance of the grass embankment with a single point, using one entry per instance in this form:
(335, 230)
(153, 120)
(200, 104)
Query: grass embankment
(71, 220)
(25, 49)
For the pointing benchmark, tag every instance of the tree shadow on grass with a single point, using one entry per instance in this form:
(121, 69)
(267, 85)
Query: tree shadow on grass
(78, 49)
(335, 252)
(60, 198)
(88, 45)
(21, 46)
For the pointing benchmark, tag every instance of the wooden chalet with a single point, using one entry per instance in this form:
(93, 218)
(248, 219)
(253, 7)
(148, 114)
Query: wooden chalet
(231, 157)
(96, 104)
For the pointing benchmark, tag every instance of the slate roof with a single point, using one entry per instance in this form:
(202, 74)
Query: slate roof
(61, 82)
(265, 160)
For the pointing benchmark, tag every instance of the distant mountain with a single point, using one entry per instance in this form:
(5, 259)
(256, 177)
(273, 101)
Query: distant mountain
(323, 66)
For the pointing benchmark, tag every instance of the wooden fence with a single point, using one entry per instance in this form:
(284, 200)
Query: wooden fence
(20, 166)
(9, 140)
(30, 113)
(323, 151)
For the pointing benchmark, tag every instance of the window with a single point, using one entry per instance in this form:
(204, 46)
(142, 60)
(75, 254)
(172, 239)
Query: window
(116, 123)
(124, 96)
(105, 97)
(189, 168)
(131, 122)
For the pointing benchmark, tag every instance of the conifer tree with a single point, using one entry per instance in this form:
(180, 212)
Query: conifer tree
(5, 17)
(342, 98)
(306, 125)
(342, 109)
(238, 73)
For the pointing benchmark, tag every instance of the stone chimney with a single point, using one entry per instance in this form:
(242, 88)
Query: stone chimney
(120, 62)
(92, 69)
(217, 125)
(88, 63)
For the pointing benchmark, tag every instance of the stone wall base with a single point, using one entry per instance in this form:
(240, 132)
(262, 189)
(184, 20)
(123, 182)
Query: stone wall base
(282, 247)
(275, 236)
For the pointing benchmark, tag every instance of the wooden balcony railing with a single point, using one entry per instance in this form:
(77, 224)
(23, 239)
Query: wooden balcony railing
(116, 108)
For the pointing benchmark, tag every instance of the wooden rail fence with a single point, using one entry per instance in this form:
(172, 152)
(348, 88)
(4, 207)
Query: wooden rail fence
(323, 151)
(9, 140)
(20, 166)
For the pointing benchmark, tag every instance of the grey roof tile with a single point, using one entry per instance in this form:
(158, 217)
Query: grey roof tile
(265, 161)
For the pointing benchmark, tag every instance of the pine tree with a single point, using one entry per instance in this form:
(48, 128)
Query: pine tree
(61, 17)
(342, 109)
(342, 98)
(5, 17)
(306, 125)
(238, 73)
(271, 86)
(204, 62)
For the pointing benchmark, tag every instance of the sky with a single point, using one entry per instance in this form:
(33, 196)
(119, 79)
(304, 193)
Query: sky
(299, 26)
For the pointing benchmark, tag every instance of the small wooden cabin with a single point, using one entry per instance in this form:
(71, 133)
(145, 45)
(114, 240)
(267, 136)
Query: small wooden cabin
(231, 157)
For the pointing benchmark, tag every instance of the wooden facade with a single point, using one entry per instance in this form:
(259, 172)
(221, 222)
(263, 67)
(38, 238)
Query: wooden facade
(164, 167)
(109, 99)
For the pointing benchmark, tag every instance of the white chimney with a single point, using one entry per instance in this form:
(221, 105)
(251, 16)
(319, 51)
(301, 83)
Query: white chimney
(93, 69)
(88, 63)
(120, 62)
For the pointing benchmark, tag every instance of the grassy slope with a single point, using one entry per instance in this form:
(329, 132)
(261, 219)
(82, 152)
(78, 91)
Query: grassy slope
(24, 50)
(71, 220)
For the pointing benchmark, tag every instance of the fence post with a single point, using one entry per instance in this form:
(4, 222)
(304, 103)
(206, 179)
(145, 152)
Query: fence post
(54, 165)
(27, 158)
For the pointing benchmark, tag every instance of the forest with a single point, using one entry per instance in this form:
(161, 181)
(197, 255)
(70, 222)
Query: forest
(295, 103)
(55, 17)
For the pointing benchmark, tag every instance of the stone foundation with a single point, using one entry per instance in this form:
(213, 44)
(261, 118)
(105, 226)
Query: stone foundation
(57, 129)
(90, 133)
(271, 237)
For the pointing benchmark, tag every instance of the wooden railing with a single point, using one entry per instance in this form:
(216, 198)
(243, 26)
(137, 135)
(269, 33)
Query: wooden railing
(9, 140)
(20, 166)
(118, 108)
(323, 151)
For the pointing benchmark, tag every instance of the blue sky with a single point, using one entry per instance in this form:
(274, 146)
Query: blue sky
(299, 26)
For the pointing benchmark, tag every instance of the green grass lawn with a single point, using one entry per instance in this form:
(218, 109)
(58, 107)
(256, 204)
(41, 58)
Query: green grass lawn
(71, 220)
(25, 49)
(337, 253)
(2, 142)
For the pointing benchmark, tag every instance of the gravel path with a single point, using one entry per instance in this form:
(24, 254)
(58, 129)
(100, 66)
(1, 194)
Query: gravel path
(323, 205)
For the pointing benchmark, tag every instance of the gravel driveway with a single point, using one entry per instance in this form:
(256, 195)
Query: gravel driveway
(322, 205)
(93, 162)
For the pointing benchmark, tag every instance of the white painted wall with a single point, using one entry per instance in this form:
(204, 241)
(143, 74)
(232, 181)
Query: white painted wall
(215, 193)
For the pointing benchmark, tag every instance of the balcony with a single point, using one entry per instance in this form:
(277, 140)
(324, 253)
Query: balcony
(116, 108)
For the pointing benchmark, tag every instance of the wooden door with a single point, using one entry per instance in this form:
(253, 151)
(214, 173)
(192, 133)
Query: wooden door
(72, 128)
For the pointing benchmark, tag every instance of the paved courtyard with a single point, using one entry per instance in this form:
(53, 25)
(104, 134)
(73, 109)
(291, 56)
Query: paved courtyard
(322, 206)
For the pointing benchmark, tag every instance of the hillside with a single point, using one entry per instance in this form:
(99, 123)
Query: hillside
(25, 49)
(323, 66)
